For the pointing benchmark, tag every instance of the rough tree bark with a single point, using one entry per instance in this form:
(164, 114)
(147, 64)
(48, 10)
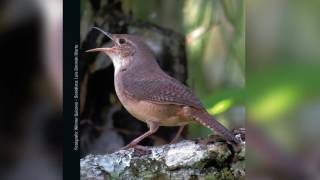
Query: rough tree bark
(188, 159)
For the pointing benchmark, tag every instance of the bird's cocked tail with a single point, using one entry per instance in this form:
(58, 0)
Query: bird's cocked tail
(205, 119)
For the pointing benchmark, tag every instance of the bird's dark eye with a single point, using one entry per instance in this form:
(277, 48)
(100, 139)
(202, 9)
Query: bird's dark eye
(122, 41)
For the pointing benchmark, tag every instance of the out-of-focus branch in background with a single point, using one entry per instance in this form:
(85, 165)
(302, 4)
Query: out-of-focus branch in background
(31, 132)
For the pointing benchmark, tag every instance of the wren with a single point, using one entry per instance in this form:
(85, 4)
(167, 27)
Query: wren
(149, 94)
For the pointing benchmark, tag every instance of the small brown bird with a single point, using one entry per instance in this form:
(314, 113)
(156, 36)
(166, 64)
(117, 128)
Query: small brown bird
(149, 94)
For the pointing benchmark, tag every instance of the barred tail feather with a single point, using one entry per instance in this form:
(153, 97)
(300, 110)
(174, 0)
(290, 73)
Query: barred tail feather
(205, 119)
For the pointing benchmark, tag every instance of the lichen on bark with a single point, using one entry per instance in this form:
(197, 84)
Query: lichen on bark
(188, 159)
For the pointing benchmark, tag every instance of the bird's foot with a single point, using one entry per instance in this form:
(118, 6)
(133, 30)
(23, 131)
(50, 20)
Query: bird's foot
(240, 134)
(212, 139)
(135, 146)
(175, 140)
(140, 147)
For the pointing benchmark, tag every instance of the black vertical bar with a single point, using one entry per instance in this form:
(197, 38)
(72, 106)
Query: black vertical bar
(71, 39)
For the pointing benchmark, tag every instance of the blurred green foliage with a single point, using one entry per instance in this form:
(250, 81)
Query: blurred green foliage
(282, 85)
(276, 92)
(283, 67)
(216, 49)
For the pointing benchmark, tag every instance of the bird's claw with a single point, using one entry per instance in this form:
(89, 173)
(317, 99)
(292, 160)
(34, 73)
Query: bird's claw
(136, 146)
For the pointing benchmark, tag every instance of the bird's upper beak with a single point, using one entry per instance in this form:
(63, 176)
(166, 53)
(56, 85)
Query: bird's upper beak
(106, 50)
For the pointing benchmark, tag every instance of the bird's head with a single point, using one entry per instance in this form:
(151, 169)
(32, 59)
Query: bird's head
(123, 50)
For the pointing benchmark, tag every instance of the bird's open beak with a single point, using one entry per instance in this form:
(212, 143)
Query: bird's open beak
(109, 35)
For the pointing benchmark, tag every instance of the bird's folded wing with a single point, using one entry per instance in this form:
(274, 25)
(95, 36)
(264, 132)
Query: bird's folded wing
(163, 90)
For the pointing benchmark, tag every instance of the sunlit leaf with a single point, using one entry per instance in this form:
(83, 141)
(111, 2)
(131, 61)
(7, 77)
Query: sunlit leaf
(276, 92)
(221, 106)
(275, 102)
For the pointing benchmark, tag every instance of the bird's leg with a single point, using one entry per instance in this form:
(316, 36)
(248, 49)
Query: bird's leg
(175, 139)
(153, 127)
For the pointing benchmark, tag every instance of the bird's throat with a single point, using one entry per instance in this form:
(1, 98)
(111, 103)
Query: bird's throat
(120, 65)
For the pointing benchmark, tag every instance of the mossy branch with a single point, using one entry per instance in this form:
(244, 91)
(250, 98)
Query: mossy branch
(187, 159)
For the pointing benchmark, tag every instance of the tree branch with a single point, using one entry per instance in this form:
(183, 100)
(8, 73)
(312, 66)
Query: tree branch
(184, 160)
